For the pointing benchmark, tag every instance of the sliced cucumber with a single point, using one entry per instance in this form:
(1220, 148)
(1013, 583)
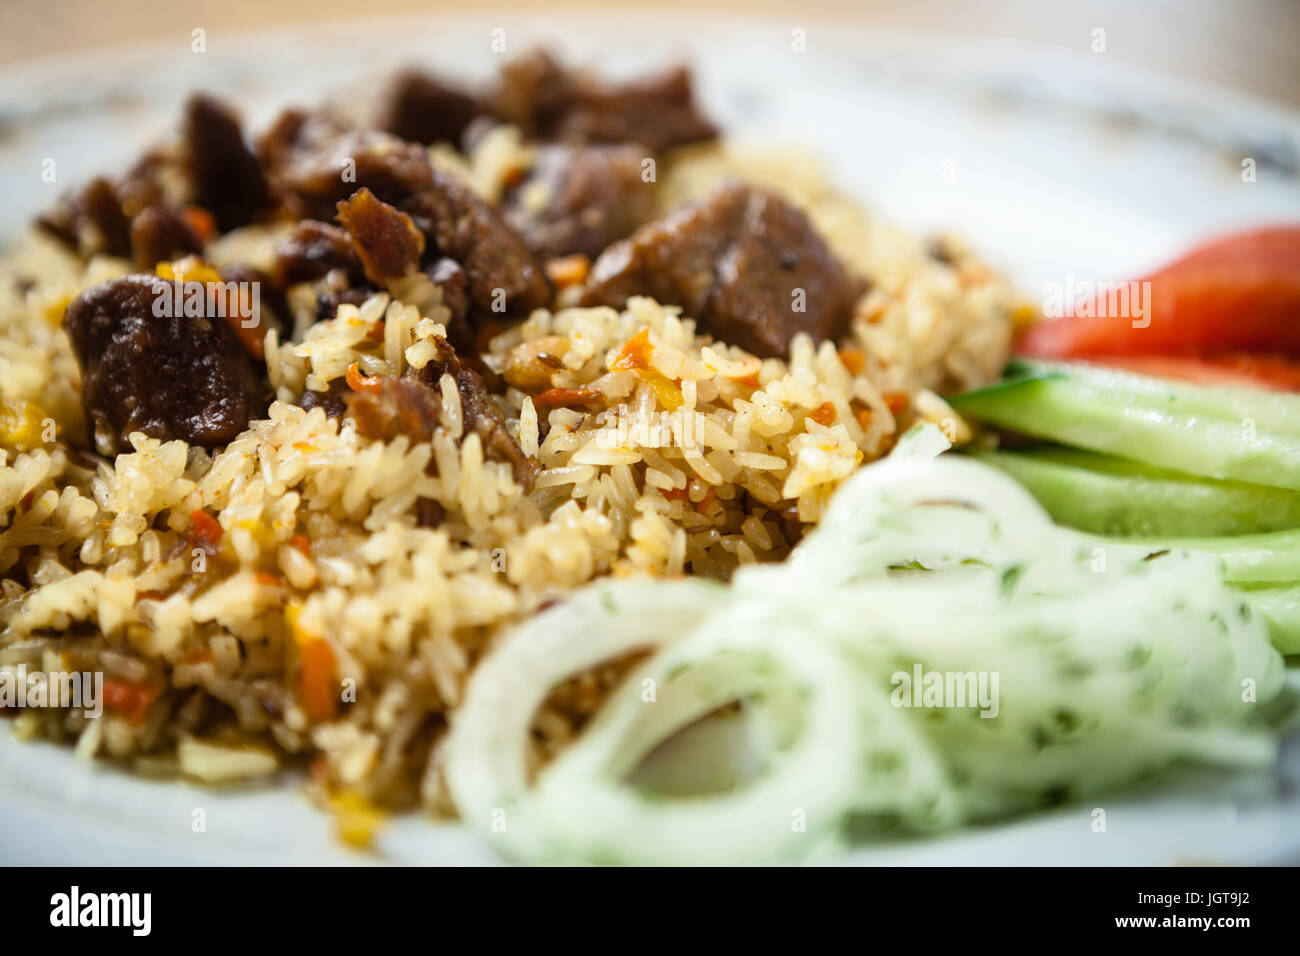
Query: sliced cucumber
(1277, 411)
(1250, 558)
(1280, 609)
(1115, 496)
(1197, 431)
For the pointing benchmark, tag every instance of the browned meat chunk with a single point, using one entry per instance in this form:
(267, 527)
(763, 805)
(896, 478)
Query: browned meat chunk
(550, 102)
(450, 278)
(333, 399)
(386, 240)
(146, 368)
(159, 234)
(130, 218)
(746, 264)
(329, 300)
(90, 221)
(311, 251)
(579, 199)
(390, 406)
(314, 166)
(503, 275)
(425, 109)
(274, 147)
(481, 414)
(142, 215)
(227, 181)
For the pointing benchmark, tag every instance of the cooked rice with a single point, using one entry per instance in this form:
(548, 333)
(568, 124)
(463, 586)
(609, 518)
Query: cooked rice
(708, 460)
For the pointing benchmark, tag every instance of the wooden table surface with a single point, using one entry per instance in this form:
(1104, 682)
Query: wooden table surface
(1248, 45)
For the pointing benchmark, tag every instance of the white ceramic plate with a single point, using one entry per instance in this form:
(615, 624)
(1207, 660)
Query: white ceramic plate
(1051, 163)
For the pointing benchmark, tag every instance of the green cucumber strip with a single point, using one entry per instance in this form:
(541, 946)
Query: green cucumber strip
(1280, 609)
(1248, 559)
(1114, 496)
(1276, 411)
(1133, 423)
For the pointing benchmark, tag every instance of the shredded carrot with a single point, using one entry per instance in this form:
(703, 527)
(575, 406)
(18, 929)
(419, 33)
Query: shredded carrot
(749, 381)
(675, 494)
(513, 176)
(268, 579)
(568, 271)
(824, 415)
(897, 401)
(853, 360)
(131, 700)
(864, 418)
(201, 221)
(635, 353)
(316, 677)
(205, 530)
(877, 312)
(360, 383)
(376, 333)
(555, 397)
(315, 667)
(301, 542)
(706, 501)
(635, 356)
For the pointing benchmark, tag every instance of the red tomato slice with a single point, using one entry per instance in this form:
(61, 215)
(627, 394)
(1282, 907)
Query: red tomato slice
(1238, 293)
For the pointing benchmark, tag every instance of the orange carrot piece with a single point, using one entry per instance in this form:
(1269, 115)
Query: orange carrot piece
(555, 397)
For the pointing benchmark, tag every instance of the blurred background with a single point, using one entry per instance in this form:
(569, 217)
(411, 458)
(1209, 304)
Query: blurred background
(1247, 45)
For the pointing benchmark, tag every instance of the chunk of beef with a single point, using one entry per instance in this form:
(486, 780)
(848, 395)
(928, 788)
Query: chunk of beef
(481, 414)
(156, 178)
(142, 215)
(145, 368)
(550, 102)
(311, 251)
(159, 233)
(90, 221)
(746, 264)
(450, 278)
(314, 165)
(385, 238)
(136, 217)
(333, 399)
(579, 199)
(329, 300)
(428, 513)
(502, 274)
(391, 406)
(275, 145)
(227, 180)
(412, 405)
(426, 109)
